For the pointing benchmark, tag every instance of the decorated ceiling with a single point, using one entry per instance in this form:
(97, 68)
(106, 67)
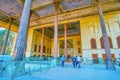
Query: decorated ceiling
(42, 8)
(73, 29)
(43, 11)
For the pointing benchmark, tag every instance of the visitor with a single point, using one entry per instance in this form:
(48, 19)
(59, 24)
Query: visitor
(78, 61)
(119, 60)
(74, 61)
(62, 60)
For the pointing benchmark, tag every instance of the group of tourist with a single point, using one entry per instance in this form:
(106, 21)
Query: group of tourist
(75, 61)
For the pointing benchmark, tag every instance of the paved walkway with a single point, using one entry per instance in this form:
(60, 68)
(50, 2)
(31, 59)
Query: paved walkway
(86, 72)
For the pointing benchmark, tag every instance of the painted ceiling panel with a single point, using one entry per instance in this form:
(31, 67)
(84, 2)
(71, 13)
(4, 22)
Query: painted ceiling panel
(42, 9)
(37, 3)
(72, 4)
(48, 10)
(11, 7)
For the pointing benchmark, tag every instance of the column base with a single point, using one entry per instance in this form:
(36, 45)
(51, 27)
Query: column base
(110, 65)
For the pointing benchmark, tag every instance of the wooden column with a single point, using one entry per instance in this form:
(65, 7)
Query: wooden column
(65, 40)
(56, 30)
(109, 63)
(6, 37)
(21, 42)
(42, 41)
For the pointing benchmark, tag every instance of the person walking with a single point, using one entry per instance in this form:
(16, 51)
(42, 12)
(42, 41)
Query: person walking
(74, 61)
(78, 61)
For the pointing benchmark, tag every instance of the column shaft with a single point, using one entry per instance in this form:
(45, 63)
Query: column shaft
(65, 40)
(20, 46)
(56, 31)
(6, 38)
(42, 41)
(109, 63)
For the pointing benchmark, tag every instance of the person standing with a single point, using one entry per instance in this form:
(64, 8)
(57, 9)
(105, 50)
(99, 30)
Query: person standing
(62, 60)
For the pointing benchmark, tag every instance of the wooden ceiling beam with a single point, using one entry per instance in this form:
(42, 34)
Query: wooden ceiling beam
(4, 13)
(60, 8)
(40, 7)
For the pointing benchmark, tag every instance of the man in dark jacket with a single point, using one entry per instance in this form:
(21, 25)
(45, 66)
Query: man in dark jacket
(74, 61)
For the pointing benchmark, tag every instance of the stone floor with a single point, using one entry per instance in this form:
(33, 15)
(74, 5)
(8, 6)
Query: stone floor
(86, 72)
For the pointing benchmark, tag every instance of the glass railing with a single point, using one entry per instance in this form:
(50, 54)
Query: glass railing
(11, 69)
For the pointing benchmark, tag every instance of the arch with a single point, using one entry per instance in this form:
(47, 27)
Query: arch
(110, 42)
(39, 48)
(47, 50)
(93, 43)
(102, 43)
(35, 48)
(79, 50)
(118, 41)
(44, 49)
(69, 44)
(50, 50)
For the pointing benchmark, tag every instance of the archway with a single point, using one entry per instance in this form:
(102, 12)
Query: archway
(70, 49)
